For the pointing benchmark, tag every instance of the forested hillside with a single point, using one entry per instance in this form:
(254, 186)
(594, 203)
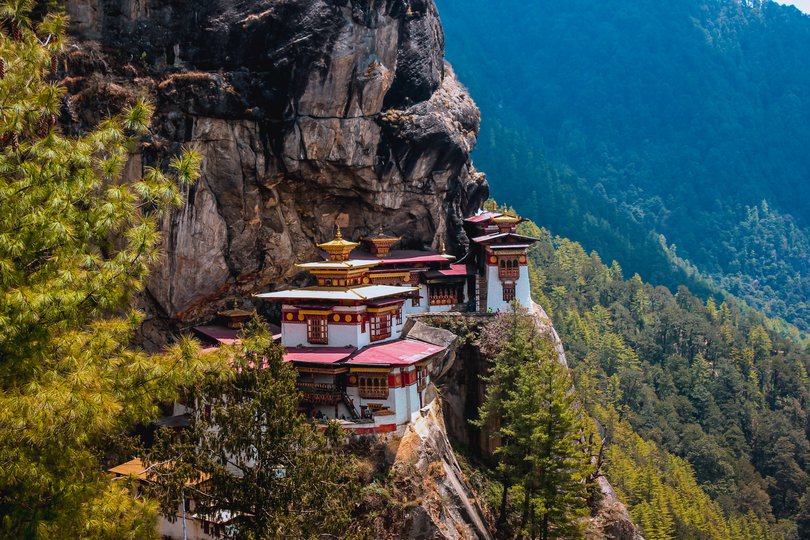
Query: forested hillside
(616, 122)
(705, 386)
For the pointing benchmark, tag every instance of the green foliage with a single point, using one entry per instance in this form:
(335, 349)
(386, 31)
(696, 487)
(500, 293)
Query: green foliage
(652, 132)
(665, 498)
(706, 383)
(278, 474)
(531, 410)
(75, 244)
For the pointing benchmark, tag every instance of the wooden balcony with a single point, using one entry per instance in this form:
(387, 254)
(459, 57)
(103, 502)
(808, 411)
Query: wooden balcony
(509, 273)
(320, 392)
(373, 393)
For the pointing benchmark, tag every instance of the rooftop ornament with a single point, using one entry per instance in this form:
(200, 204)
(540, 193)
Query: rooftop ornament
(236, 317)
(380, 243)
(338, 248)
(443, 251)
(506, 217)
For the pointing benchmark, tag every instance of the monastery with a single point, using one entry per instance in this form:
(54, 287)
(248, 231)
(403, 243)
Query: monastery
(345, 333)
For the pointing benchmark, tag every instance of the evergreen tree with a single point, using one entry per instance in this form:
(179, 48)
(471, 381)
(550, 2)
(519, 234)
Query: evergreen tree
(545, 427)
(276, 473)
(509, 339)
(75, 243)
(530, 408)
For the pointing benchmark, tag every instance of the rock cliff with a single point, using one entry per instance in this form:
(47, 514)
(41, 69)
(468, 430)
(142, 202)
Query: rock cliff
(307, 112)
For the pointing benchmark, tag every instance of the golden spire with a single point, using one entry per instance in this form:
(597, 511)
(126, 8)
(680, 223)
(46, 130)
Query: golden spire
(443, 251)
(506, 218)
(236, 316)
(338, 248)
(380, 243)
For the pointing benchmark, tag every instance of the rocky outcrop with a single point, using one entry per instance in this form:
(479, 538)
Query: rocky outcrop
(307, 112)
(425, 470)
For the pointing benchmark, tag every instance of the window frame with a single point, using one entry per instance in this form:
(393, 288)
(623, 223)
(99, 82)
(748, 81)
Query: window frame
(509, 293)
(381, 326)
(318, 330)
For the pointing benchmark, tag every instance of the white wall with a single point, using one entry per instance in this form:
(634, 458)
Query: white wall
(523, 292)
(409, 309)
(413, 402)
(294, 334)
(495, 291)
(174, 529)
(523, 289)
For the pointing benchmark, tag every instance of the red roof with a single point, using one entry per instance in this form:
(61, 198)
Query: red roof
(220, 334)
(402, 256)
(503, 236)
(486, 216)
(403, 352)
(432, 258)
(455, 270)
(318, 355)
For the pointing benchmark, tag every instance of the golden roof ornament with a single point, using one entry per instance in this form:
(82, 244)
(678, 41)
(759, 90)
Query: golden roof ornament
(443, 251)
(380, 243)
(236, 317)
(506, 217)
(338, 248)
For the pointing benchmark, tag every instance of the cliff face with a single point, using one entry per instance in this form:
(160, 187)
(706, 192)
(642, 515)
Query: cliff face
(306, 112)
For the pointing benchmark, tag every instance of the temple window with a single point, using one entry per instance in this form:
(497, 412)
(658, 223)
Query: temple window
(399, 316)
(416, 300)
(445, 295)
(509, 268)
(421, 378)
(508, 293)
(373, 386)
(380, 326)
(317, 330)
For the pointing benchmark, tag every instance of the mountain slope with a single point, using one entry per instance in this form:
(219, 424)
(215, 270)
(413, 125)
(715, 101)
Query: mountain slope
(631, 119)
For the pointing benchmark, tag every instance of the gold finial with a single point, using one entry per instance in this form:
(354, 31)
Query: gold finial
(338, 248)
(443, 251)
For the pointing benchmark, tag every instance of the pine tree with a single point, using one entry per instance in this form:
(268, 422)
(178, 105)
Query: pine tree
(266, 465)
(75, 243)
(546, 427)
(509, 338)
(531, 409)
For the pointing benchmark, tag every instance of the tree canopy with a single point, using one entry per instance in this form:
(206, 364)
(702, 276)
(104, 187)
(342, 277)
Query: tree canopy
(531, 409)
(703, 381)
(76, 242)
(277, 474)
